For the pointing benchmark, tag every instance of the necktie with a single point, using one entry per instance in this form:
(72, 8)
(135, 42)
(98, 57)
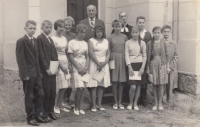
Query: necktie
(32, 43)
(92, 23)
(49, 40)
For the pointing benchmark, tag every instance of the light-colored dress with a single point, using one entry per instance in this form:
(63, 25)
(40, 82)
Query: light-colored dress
(117, 48)
(61, 45)
(100, 51)
(79, 49)
(157, 69)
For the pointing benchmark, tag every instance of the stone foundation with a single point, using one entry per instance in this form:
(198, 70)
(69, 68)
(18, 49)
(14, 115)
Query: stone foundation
(188, 83)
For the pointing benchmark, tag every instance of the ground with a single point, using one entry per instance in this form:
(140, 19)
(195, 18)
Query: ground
(183, 112)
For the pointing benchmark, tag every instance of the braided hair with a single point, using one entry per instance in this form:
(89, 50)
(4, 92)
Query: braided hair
(139, 38)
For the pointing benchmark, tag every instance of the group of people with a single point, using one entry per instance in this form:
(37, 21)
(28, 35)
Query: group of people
(127, 52)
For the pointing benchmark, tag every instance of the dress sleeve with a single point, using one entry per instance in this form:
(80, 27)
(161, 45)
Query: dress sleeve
(70, 47)
(144, 51)
(127, 59)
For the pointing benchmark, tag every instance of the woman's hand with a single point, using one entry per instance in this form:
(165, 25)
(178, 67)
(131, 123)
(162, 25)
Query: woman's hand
(168, 69)
(130, 69)
(141, 71)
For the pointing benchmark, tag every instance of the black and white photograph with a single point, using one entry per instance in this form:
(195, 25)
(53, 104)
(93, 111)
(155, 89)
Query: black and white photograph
(100, 63)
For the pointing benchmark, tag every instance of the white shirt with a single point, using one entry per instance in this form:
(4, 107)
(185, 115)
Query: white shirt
(126, 28)
(142, 33)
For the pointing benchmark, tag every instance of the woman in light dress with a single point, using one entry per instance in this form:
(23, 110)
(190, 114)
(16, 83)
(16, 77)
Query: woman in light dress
(78, 56)
(62, 79)
(98, 48)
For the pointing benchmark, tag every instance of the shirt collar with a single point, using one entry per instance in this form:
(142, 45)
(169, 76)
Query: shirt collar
(90, 19)
(142, 32)
(47, 36)
(29, 36)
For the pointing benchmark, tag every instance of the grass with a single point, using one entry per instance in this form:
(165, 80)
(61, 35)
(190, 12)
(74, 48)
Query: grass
(184, 110)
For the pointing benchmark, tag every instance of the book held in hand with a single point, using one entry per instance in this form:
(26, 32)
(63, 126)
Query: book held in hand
(85, 77)
(99, 75)
(54, 67)
(135, 76)
(112, 64)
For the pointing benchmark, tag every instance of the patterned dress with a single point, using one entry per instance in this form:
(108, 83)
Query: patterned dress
(79, 49)
(100, 51)
(61, 45)
(157, 69)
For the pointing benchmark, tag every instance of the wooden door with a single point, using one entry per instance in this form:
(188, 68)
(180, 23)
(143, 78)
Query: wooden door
(78, 9)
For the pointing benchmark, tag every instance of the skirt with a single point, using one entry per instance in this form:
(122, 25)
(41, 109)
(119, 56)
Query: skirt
(136, 67)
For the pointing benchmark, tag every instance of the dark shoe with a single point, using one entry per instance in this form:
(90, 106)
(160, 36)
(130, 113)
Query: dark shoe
(33, 122)
(40, 119)
(53, 116)
(48, 120)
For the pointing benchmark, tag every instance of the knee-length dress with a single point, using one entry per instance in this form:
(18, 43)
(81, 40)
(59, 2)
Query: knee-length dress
(79, 49)
(117, 48)
(157, 69)
(100, 51)
(61, 45)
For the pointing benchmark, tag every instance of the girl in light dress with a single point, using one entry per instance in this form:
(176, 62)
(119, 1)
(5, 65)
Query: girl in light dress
(78, 56)
(62, 83)
(99, 52)
(157, 66)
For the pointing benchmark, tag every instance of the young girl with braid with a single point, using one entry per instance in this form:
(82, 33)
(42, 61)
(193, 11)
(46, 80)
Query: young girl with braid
(135, 56)
(158, 66)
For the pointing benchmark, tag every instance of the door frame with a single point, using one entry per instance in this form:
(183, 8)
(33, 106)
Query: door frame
(97, 7)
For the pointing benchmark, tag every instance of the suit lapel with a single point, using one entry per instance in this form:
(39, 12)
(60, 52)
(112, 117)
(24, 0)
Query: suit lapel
(29, 43)
(46, 40)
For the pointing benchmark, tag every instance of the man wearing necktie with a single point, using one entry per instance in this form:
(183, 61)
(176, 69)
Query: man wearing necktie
(91, 22)
(127, 28)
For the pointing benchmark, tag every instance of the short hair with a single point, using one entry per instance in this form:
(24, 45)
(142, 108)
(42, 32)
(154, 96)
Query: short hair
(30, 22)
(70, 19)
(122, 12)
(135, 28)
(99, 27)
(117, 22)
(140, 17)
(92, 6)
(46, 22)
(156, 28)
(80, 28)
(166, 26)
(58, 23)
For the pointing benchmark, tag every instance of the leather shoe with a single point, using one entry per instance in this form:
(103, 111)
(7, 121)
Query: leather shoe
(33, 122)
(40, 119)
(53, 116)
(48, 120)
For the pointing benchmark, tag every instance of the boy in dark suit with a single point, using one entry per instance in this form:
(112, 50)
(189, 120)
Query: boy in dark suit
(27, 56)
(91, 22)
(47, 53)
(146, 37)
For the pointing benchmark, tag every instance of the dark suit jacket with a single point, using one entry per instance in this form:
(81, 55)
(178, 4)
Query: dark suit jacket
(147, 37)
(90, 33)
(128, 34)
(47, 52)
(27, 58)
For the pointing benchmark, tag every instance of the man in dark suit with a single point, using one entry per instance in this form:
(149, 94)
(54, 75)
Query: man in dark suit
(146, 37)
(127, 28)
(47, 53)
(27, 56)
(91, 22)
